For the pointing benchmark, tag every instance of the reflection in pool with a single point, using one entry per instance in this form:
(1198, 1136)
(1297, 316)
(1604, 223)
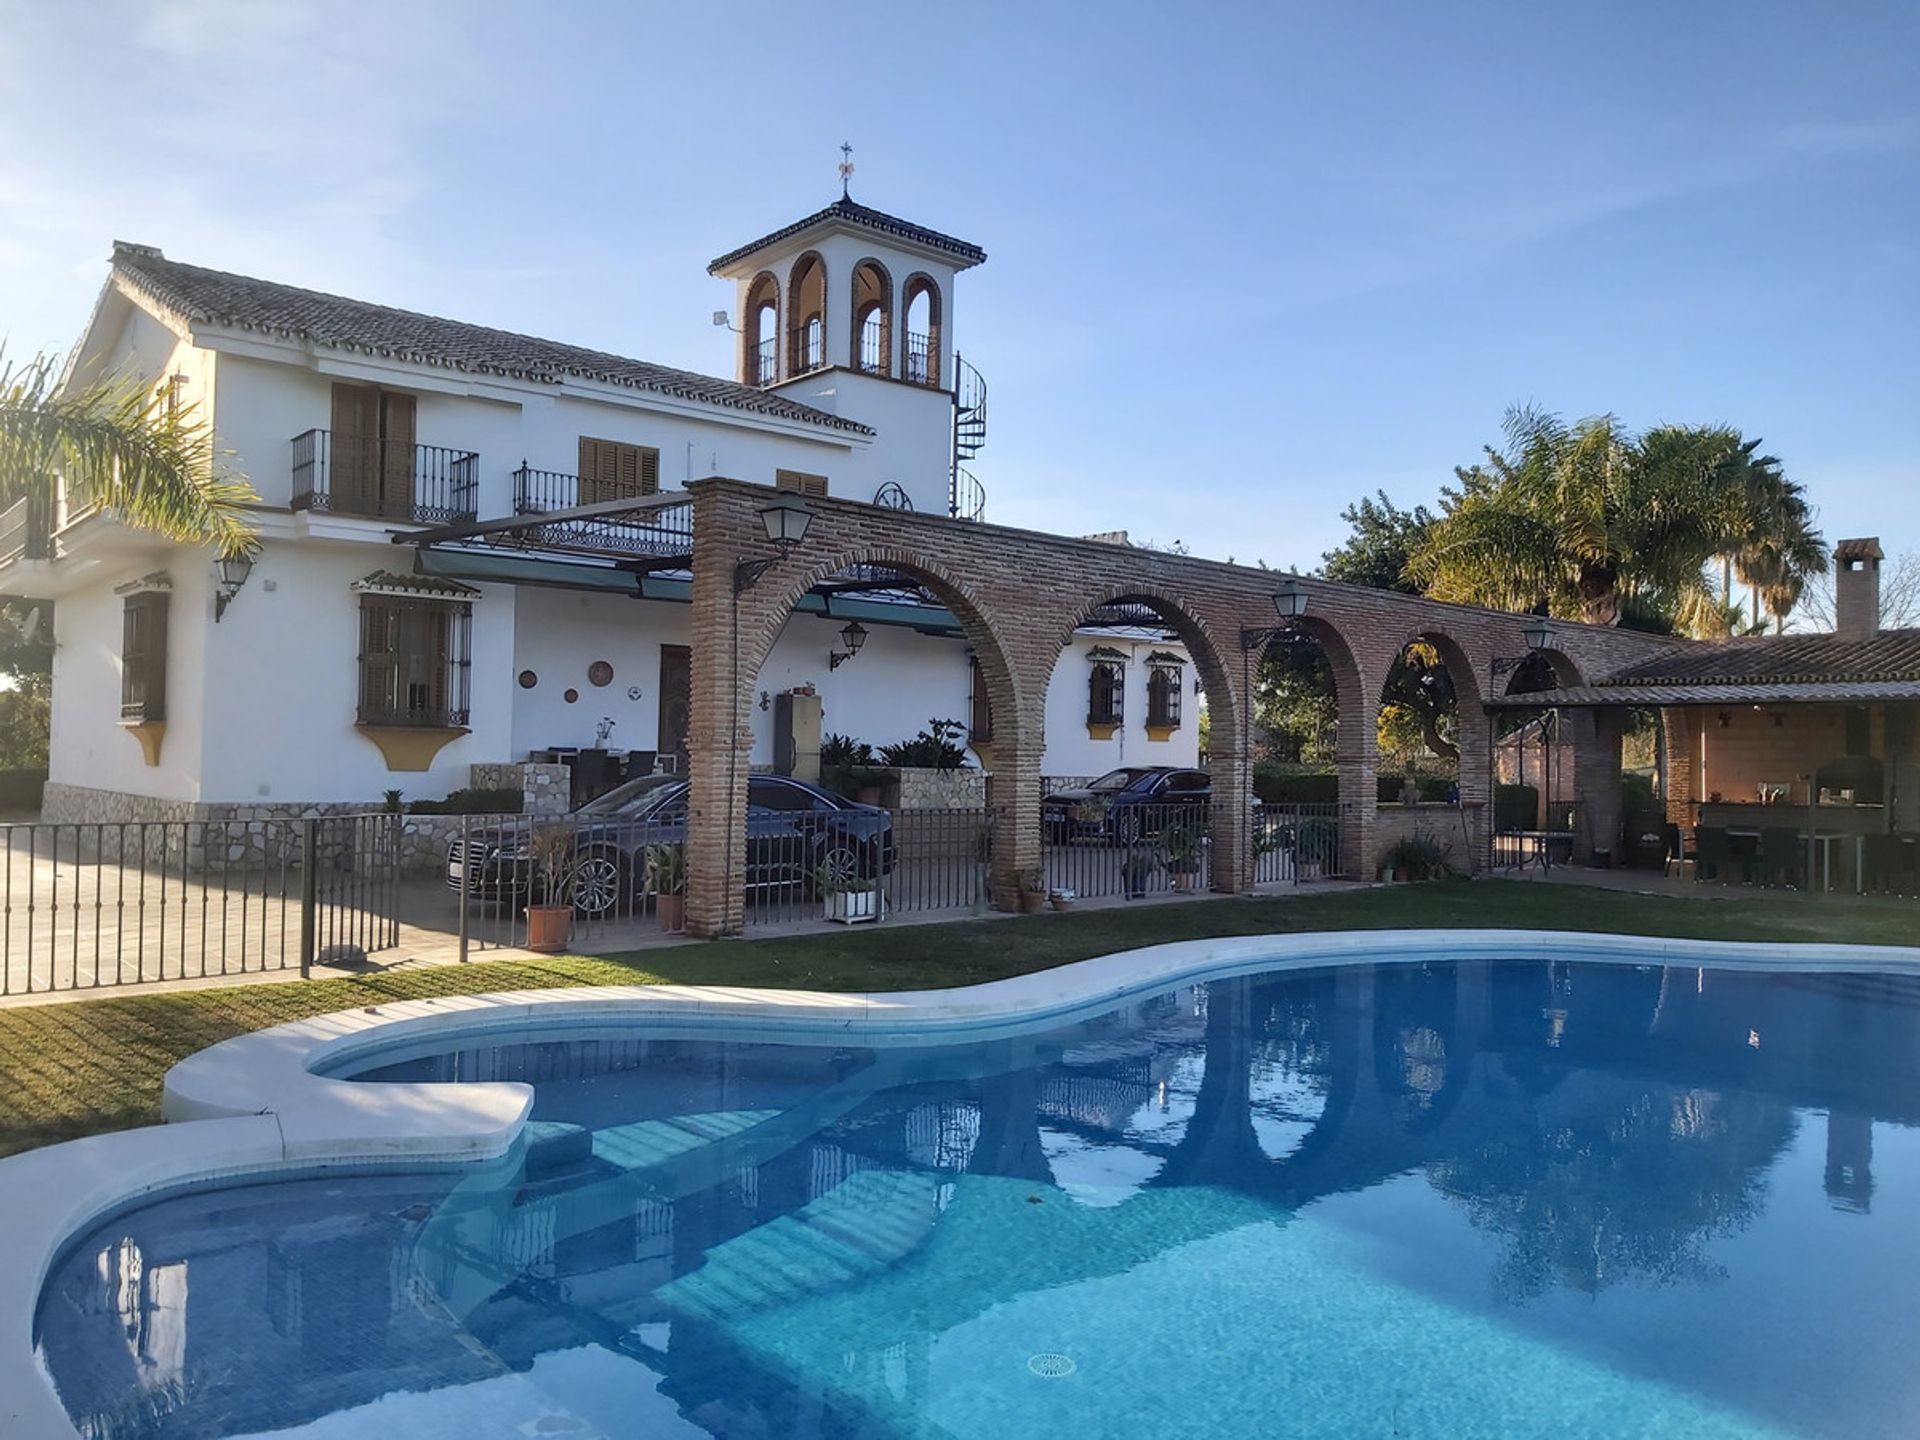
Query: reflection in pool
(1506, 1198)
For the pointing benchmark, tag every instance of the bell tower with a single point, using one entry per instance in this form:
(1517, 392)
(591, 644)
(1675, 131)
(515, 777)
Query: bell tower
(847, 288)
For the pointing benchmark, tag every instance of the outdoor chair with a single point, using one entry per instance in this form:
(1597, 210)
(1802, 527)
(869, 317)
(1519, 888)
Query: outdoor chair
(1888, 862)
(1783, 857)
(1679, 858)
(1712, 856)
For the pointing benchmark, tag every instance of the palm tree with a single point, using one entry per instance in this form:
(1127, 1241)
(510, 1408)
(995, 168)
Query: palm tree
(1782, 551)
(1586, 519)
(123, 448)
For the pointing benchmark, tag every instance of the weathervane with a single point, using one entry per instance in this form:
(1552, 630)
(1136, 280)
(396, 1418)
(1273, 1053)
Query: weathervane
(846, 169)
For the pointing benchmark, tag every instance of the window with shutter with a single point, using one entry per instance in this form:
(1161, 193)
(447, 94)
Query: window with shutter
(610, 470)
(801, 481)
(1164, 684)
(981, 728)
(143, 658)
(414, 661)
(1106, 695)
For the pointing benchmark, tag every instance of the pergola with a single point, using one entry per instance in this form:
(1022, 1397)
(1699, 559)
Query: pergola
(747, 558)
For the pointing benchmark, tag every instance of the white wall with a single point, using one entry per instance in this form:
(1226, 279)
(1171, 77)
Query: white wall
(282, 683)
(900, 680)
(913, 446)
(558, 634)
(1069, 748)
(264, 404)
(89, 746)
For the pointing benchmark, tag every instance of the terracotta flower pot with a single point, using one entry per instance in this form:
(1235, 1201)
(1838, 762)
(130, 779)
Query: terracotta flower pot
(671, 911)
(1184, 881)
(1400, 874)
(549, 928)
(1032, 902)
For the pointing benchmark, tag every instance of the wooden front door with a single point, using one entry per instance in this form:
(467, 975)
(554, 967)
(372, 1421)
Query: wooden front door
(676, 701)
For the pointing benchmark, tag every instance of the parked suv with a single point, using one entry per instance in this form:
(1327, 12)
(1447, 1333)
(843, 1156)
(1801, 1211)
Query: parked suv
(795, 833)
(1127, 804)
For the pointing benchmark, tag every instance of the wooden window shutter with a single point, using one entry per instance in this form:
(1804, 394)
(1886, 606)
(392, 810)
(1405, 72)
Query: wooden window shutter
(610, 470)
(353, 459)
(802, 482)
(143, 657)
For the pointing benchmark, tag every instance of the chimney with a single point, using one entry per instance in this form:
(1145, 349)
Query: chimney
(1856, 588)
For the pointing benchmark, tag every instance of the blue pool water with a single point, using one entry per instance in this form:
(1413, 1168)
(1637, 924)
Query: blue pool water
(1441, 1200)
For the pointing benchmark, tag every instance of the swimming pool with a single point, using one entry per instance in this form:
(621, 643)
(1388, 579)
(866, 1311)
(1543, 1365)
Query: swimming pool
(1454, 1197)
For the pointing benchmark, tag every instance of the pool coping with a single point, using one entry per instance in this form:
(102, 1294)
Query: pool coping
(254, 1105)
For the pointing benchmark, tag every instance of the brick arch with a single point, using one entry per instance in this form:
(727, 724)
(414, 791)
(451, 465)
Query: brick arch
(1566, 670)
(917, 284)
(884, 304)
(798, 312)
(1006, 688)
(763, 290)
(1461, 668)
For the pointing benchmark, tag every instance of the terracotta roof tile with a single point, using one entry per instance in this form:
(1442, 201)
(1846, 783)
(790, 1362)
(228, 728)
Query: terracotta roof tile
(878, 221)
(218, 297)
(1782, 659)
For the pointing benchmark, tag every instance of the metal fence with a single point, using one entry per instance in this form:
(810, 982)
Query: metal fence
(92, 906)
(1296, 844)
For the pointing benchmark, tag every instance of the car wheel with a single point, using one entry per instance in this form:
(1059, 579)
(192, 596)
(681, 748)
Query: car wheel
(840, 862)
(597, 885)
(1126, 827)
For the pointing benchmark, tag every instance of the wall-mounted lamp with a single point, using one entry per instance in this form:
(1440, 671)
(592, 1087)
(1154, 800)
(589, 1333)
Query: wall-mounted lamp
(1290, 600)
(786, 523)
(1539, 634)
(721, 321)
(1289, 603)
(852, 635)
(229, 575)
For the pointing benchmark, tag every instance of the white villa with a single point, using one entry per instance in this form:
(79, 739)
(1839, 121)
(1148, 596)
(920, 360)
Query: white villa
(341, 665)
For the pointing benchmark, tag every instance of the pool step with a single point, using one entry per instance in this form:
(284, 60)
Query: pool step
(866, 1224)
(654, 1142)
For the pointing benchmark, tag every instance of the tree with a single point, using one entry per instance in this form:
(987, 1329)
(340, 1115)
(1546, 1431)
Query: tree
(1783, 551)
(123, 448)
(1384, 538)
(1577, 520)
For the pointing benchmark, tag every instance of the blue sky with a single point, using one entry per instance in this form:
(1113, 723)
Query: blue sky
(1245, 264)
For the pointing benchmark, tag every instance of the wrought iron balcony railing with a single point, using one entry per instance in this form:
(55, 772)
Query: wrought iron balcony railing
(665, 531)
(766, 367)
(383, 479)
(920, 365)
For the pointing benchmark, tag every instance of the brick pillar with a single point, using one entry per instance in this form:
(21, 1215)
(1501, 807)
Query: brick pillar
(1014, 798)
(1596, 780)
(1681, 745)
(1357, 757)
(1231, 814)
(719, 741)
(1476, 780)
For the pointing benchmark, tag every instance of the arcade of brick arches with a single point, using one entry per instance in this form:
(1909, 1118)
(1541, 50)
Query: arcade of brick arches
(1018, 595)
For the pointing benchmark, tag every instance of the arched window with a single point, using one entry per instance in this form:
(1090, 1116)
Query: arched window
(1166, 679)
(921, 360)
(1106, 692)
(760, 336)
(980, 730)
(806, 315)
(872, 318)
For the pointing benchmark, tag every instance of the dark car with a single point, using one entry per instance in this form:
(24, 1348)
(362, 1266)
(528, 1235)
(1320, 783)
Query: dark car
(1126, 804)
(795, 833)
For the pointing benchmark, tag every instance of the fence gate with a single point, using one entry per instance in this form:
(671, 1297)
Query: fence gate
(350, 906)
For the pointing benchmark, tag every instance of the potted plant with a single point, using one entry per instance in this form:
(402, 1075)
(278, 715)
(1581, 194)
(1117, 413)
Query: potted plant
(1418, 857)
(667, 883)
(550, 923)
(1033, 891)
(1137, 869)
(1319, 842)
(850, 899)
(1182, 844)
(1062, 898)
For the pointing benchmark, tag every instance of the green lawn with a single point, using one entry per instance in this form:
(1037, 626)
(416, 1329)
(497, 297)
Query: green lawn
(73, 1069)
